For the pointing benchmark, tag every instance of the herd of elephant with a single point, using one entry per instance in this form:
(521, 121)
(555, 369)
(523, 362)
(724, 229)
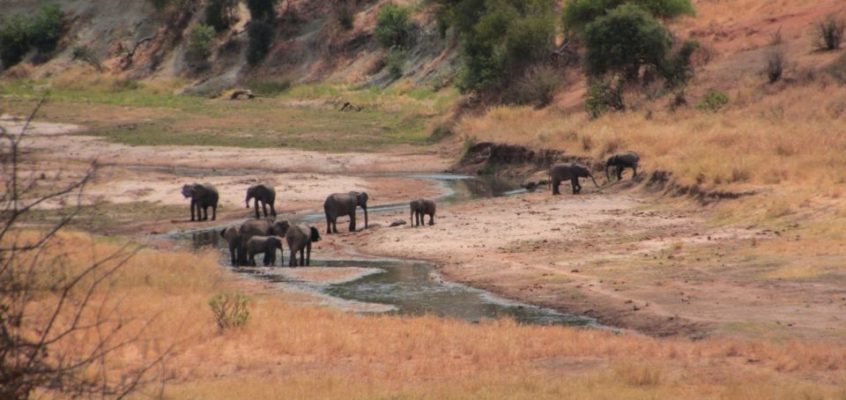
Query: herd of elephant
(264, 236)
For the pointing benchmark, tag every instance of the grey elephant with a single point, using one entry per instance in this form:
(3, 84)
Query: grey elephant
(264, 194)
(260, 227)
(266, 245)
(342, 204)
(569, 171)
(202, 197)
(620, 162)
(419, 209)
(232, 235)
(300, 238)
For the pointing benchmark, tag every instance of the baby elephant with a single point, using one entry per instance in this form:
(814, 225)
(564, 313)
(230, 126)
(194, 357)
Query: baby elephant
(569, 172)
(620, 162)
(266, 245)
(300, 238)
(419, 209)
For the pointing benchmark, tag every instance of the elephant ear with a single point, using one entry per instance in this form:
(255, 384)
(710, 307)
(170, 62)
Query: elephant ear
(315, 234)
(362, 198)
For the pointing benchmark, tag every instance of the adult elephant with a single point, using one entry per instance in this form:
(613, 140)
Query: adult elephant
(253, 228)
(202, 197)
(264, 194)
(569, 171)
(300, 238)
(342, 204)
(620, 162)
(266, 245)
(420, 209)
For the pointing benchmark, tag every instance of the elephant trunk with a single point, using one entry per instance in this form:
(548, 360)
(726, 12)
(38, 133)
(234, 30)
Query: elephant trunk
(365, 216)
(594, 180)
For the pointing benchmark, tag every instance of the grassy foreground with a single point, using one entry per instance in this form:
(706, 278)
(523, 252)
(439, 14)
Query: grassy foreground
(286, 351)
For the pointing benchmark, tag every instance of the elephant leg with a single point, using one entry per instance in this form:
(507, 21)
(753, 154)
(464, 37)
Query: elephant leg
(352, 222)
(431, 219)
(193, 204)
(256, 208)
(328, 225)
(293, 258)
(302, 257)
(214, 213)
(634, 172)
(574, 181)
(620, 173)
(308, 254)
(264, 209)
(272, 210)
(205, 212)
(555, 184)
(233, 256)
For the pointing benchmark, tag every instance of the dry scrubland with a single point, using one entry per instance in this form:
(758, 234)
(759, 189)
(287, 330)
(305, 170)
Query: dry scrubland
(289, 351)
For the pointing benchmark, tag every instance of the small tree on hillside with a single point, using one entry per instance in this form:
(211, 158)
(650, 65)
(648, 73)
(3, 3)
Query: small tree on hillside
(199, 47)
(45, 29)
(261, 38)
(393, 26)
(623, 41)
(14, 41)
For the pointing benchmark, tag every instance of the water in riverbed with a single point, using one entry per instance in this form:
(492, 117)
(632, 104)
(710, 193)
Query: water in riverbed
(411, 287)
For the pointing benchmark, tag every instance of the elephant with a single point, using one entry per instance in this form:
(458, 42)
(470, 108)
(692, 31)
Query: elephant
(300, 238)
(620, 162)
(202, 197)
(233, 237)
(571, 171)
(264, 194)
(341, 204)
(419, 209)
(266, 245)
(260, 227)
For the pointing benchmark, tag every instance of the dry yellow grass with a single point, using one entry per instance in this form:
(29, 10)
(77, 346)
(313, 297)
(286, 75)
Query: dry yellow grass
(287, 351)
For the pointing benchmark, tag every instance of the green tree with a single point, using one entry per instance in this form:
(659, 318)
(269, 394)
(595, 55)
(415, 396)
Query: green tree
(14, 40)
(219, 14)
(199, 46)
(622, 41)
(45, 28)
(260, 35)
(393, 26)
(578, 14)
(262, 10)
(508, 37)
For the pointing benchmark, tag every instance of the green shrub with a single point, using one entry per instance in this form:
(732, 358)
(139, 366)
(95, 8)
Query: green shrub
(260, 36)
(713, 101)
(45, 29)
(829, 33)
(83, 53)
(345, 16)
(577, 14)
(393, 26)
(220, 14)
(230, 310)
(199, 47)
(677, 69)
(624, 40)
(262, 10)
(395, 62)
(160, 4)
(14, 41)
(603, 97)
(776, 63)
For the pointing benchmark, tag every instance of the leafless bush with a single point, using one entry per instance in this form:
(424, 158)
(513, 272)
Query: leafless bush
(57, 323)
(776, 64)
(829, 33)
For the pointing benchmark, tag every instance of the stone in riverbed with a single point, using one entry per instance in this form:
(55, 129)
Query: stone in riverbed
(398, 222)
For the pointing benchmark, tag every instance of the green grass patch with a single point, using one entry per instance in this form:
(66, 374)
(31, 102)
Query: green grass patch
(135, 114)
